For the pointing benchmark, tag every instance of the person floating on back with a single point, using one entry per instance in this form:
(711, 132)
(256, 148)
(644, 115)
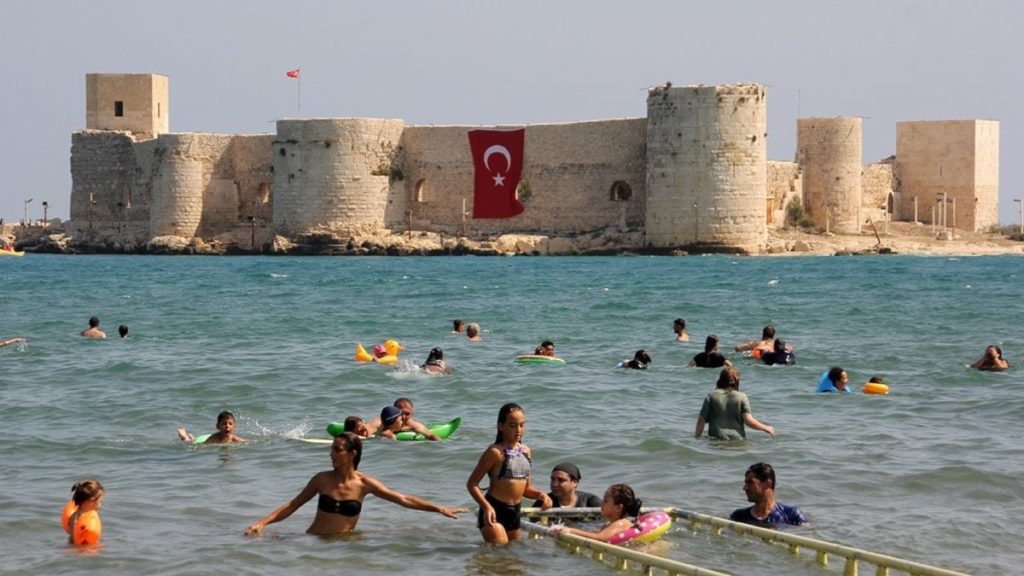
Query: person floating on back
(759, 486)
(992, 360)
(225, 431)
(93, 331)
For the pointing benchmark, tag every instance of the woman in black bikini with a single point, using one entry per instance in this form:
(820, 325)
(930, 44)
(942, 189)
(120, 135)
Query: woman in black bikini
(342, 491)
(507, 463)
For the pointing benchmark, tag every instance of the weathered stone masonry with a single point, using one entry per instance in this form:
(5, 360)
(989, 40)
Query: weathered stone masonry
(693, 172)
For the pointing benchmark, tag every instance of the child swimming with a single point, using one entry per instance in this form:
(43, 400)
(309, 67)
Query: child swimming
(225, 431)
(81, 515)
(507, 463)
(618, 505)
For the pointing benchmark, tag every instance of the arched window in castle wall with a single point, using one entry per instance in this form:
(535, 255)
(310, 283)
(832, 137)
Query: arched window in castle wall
(264, 193)
(420, 193)
(621, 191)
(890, 203)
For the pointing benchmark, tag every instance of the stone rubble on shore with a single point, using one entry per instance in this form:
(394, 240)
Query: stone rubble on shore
(898, 238)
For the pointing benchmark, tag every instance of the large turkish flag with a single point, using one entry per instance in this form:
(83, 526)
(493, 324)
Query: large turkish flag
(498, 165)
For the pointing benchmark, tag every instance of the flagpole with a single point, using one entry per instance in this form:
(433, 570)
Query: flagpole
(300, 91)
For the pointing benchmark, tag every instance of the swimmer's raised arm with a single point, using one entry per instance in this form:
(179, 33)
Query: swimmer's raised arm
(379, 490)
(312, 489)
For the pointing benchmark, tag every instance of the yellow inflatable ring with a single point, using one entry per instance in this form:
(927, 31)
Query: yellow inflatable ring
(876, 388)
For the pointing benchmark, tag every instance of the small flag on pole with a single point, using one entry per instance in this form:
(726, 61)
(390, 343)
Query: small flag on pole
(293, 73)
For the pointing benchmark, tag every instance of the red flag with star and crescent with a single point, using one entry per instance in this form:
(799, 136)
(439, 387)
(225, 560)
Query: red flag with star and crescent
(498, 166)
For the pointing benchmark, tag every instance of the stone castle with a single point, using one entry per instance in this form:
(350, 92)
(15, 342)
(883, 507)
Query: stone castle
(693, 173)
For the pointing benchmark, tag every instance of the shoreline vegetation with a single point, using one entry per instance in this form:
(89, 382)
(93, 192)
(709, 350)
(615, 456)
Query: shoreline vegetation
(891, 238)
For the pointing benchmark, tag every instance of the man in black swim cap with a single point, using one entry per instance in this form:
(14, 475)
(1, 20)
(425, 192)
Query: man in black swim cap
(565, 478)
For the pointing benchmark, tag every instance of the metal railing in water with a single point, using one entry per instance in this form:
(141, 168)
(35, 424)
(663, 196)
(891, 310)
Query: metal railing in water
(648, 563)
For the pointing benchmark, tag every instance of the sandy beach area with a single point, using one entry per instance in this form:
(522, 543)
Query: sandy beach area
(894, 237)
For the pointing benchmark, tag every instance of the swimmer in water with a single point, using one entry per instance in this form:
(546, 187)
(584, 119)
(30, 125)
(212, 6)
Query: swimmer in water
(435, 363)
(759, 486)
(641, 360)
(834, 381)
(619, 503)
(87, 497)
(710, 357)
(766, 342)
(10, 341)
(225, 433)
(992, 360)
(341, 493)
(507, 464)
(679, 327)
(93, 331)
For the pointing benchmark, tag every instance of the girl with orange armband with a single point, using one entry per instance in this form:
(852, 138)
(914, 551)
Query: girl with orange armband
(81, 517)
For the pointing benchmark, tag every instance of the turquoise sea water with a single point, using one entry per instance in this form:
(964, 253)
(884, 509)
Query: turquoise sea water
(933, 473)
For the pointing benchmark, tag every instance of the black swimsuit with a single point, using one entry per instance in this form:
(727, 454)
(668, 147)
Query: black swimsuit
(343, 507)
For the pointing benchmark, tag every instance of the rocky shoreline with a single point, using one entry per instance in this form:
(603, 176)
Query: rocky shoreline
(896, 238)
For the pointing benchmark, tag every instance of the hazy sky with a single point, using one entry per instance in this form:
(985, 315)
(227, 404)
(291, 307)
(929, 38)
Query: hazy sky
(486, 62)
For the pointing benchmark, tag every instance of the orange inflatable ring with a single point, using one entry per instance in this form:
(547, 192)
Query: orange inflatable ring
(65, 518)
(88, 529)
(875, 388)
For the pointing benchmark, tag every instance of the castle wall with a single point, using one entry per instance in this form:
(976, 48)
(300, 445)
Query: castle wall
(103, 167)
(142, 100)
(706, 166)
(331, 175)
(876, 187)
(958, 158)
(784, 183)
(569, 173)
(986, 176)
(176, 184)
(829, 152)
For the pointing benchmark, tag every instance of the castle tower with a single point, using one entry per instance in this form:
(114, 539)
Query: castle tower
(952, 160)
(331, 175)
(706, 166)
(177, 199)
(137, 103)
(829, 153)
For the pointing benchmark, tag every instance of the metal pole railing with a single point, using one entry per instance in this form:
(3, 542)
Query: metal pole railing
(883, 562)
